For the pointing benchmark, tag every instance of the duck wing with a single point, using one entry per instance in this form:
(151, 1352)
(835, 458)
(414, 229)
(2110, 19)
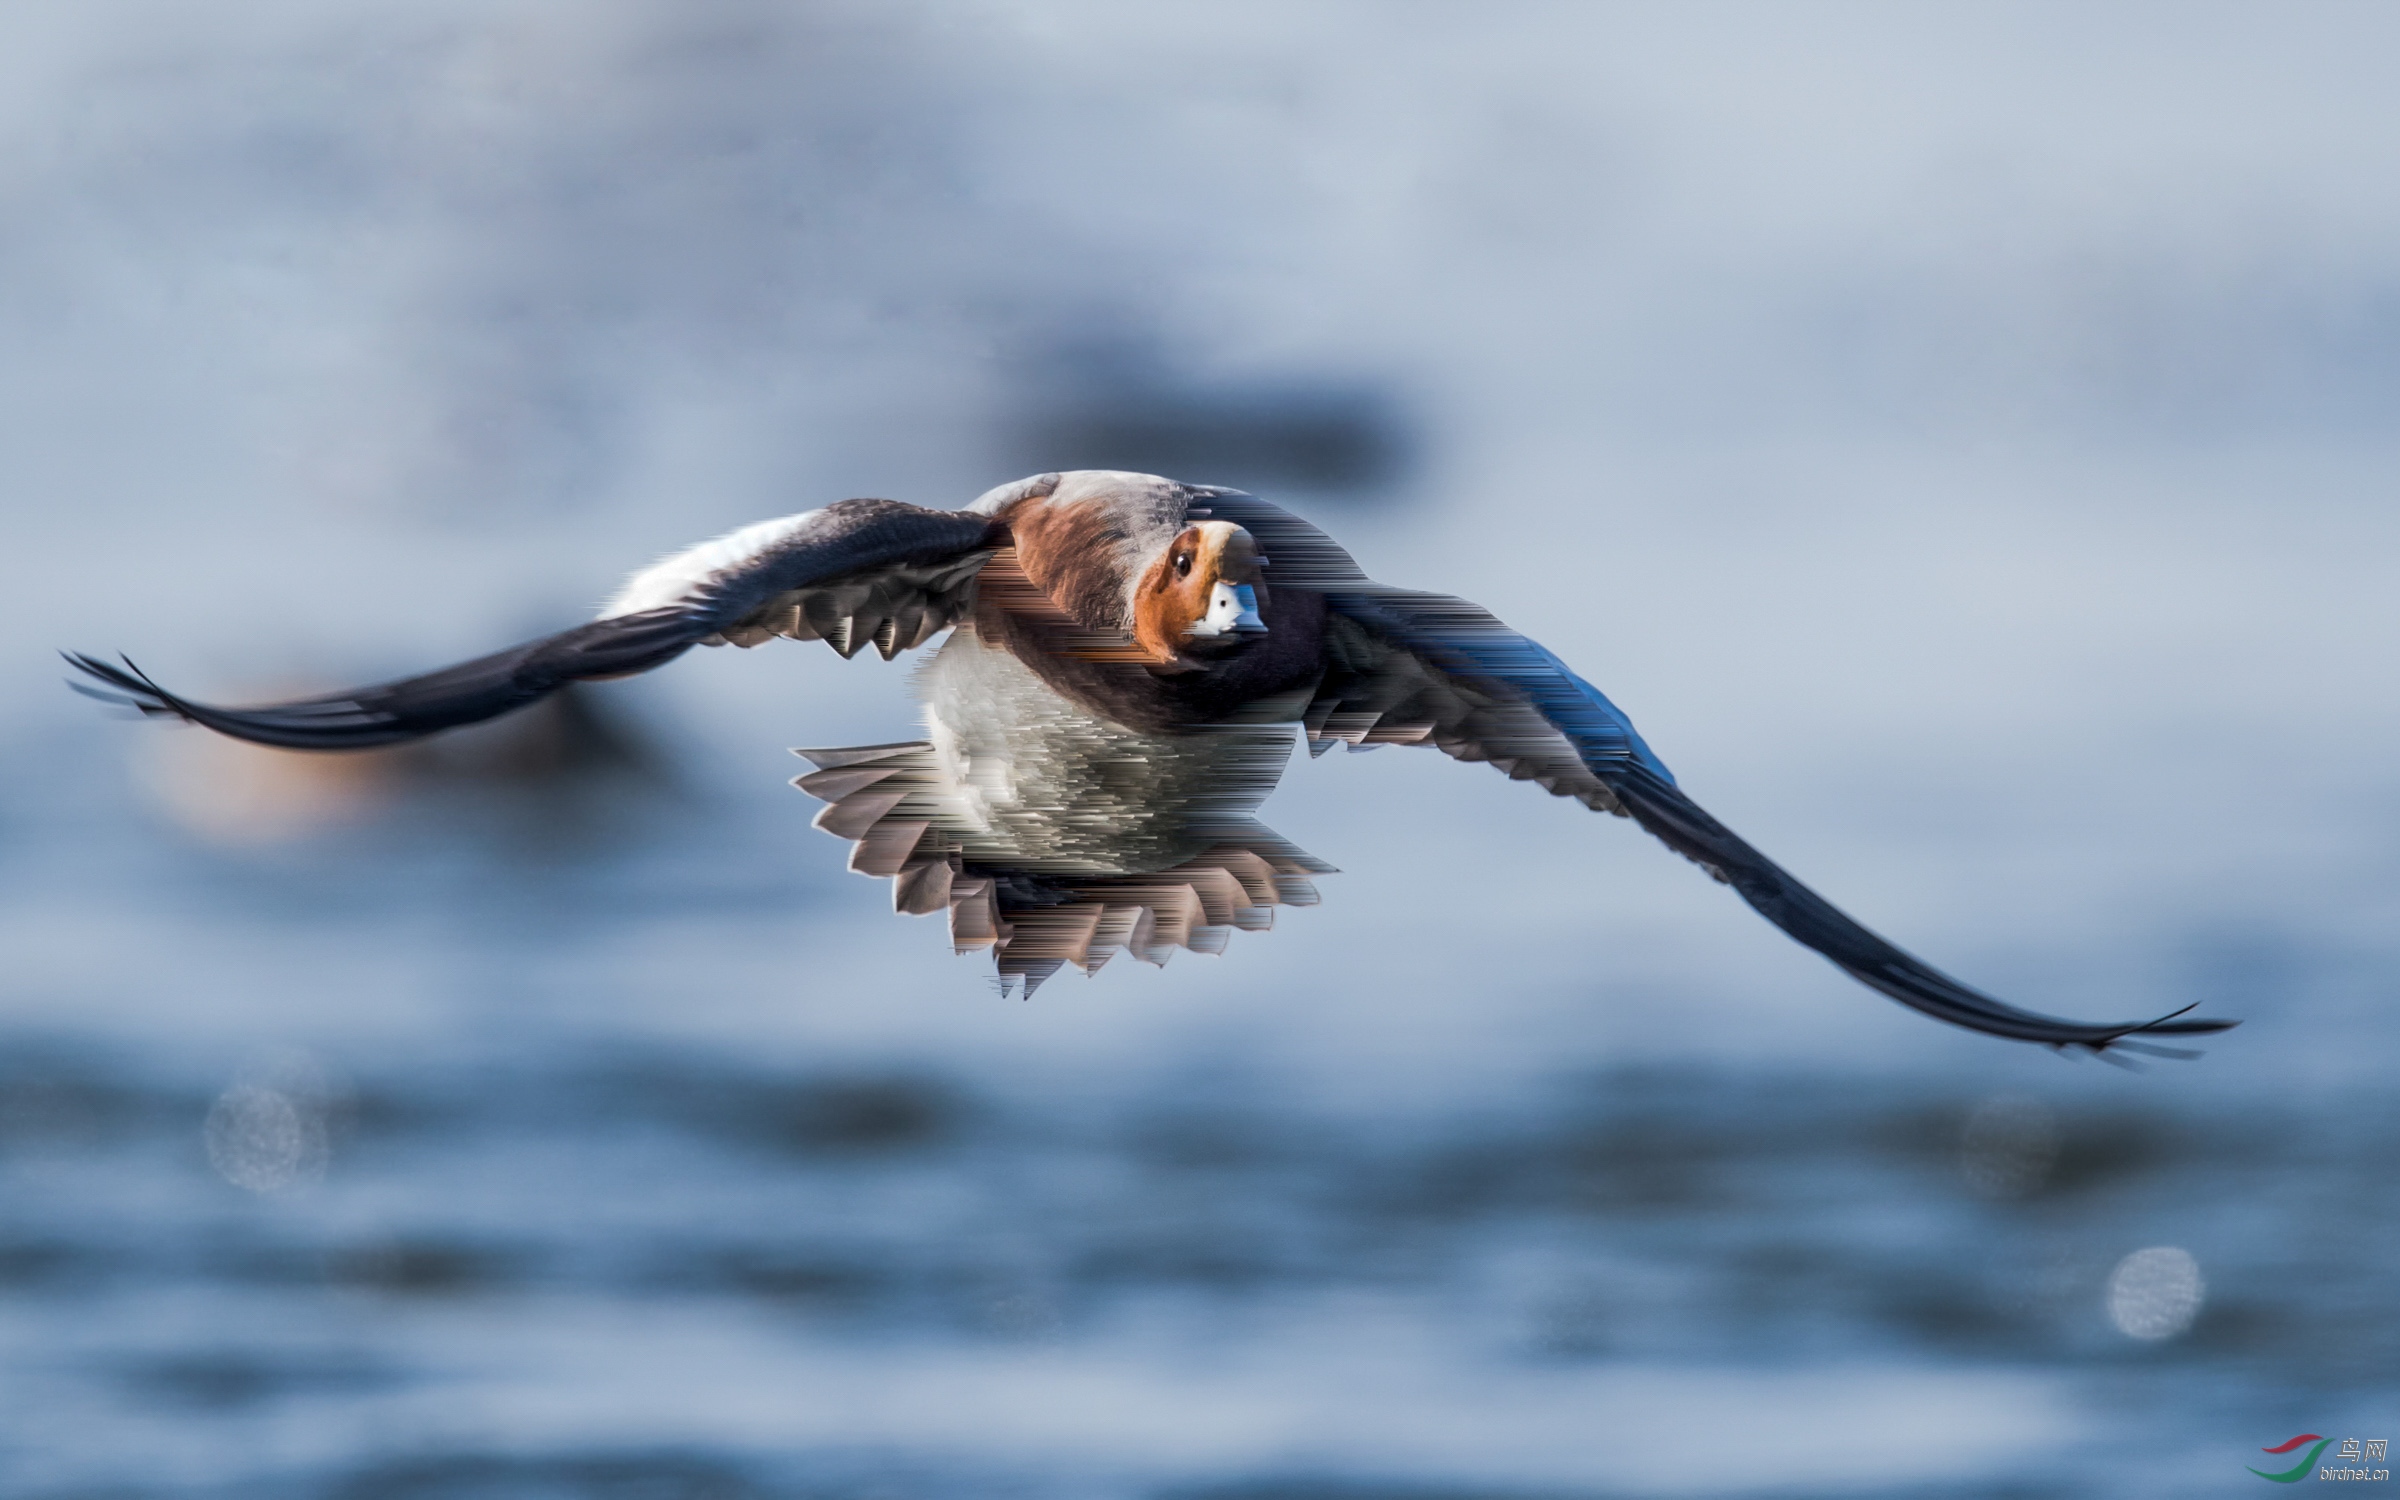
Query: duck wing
(855, 571)
(1403, 667)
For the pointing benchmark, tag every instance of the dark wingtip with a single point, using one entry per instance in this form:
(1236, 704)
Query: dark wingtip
(98, 695)
(132, 686)
(2180, 1054)
(2169, 1025)
(1808, 918)
(2112, 1048)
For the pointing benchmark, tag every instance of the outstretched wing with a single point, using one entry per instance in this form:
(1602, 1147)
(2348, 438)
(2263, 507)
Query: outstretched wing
(854, 572)
(1412, 668)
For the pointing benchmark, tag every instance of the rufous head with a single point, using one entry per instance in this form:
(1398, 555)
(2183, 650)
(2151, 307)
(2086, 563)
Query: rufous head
(1201, 596)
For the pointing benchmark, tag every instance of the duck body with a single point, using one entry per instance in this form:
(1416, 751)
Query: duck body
(1129, 660)
(1074, 754)
(1081, 793)
(1050, 783)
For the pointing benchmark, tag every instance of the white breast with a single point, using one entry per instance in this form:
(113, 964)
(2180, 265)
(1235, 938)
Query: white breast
(1054, 787)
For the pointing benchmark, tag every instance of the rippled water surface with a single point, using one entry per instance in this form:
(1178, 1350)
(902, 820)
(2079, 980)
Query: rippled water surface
(544, 1239)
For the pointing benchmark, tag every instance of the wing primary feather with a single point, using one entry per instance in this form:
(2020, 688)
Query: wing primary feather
(1809, 919)
(416, 706)
(2180, 1054)
(133, 696)
(778, 576)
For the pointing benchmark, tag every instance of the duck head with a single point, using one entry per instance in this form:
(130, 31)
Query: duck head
(1120, 554)
(1200, 597)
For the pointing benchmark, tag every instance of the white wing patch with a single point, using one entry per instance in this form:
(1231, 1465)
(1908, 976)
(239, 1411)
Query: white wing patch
(896, 605)
(675, 579)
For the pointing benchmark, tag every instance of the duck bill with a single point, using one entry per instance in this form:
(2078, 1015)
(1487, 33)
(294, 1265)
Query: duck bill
(1231, 567)
(1248, 622)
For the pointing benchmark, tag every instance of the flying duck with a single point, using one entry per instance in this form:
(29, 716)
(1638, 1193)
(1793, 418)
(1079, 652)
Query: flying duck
(1126, 659)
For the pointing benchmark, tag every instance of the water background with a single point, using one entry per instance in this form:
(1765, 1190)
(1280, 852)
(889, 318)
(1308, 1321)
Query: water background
(1964, 445)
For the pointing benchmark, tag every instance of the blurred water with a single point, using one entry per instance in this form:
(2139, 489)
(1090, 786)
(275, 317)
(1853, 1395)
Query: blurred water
(1963, 443)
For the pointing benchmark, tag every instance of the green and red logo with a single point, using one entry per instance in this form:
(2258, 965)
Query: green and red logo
(2347, 1460)
(2298, 1471)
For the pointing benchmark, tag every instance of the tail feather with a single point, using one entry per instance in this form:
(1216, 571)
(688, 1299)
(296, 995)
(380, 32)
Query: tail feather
(891, 803)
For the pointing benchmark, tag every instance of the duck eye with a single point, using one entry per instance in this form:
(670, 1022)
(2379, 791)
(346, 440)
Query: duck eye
(1183, 565)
